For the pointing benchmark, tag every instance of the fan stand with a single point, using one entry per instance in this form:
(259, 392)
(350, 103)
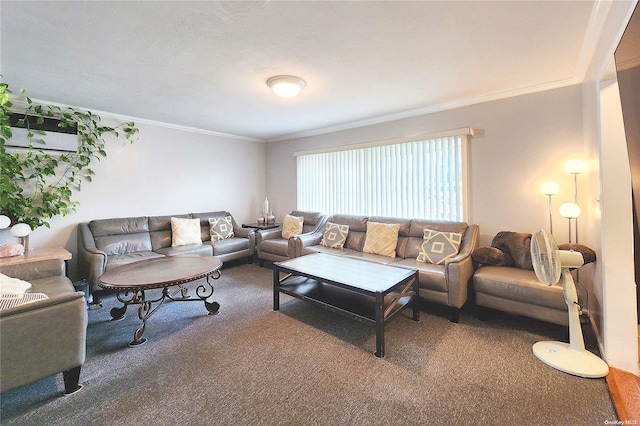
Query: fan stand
(571, 357)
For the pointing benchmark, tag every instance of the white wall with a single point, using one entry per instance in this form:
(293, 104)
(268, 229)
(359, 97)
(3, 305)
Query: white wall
(610, 226)
(167, 171)
(520, 143)
(616, 225)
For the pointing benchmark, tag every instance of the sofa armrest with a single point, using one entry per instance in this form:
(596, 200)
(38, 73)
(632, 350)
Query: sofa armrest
(243, 232)
(91, 261)
(459, 269)
(42, 338)
(305, 240)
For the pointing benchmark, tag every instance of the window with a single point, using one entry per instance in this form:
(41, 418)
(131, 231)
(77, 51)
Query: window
(418, 177)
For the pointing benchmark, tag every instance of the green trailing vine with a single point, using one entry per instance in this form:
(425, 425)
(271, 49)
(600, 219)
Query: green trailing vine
(36, 185)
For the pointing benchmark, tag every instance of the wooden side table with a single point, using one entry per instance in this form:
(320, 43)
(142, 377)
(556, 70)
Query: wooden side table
(37, 255)
(261, 226)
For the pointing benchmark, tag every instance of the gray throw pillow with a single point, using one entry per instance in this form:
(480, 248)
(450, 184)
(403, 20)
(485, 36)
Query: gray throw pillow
(335, 235)
(221, 228)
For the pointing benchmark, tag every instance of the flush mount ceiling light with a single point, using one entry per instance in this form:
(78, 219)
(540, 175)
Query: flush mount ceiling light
(286, 86)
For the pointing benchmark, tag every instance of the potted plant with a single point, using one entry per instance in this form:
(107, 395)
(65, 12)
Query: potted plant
(36, 185)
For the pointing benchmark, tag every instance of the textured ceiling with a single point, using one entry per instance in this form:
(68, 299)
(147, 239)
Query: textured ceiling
(205, 64)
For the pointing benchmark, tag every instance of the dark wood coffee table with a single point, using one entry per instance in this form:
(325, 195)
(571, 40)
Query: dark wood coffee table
(132, 280)
(368, 292)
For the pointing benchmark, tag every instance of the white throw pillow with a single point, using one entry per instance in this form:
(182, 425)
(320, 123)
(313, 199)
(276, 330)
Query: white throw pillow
(185, 231)
(13, 285)
(291, 226)
(381, 238)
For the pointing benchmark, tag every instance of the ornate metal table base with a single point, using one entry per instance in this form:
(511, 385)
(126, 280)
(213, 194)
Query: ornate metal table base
(131, 283)
(146, 306)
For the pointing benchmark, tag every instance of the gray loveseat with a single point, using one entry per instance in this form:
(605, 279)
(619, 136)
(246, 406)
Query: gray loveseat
(504, 280)
(446, 283)
(45, 337)
(107, 243)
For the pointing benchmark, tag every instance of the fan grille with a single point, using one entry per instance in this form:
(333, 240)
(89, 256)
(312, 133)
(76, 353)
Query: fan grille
(544, 256)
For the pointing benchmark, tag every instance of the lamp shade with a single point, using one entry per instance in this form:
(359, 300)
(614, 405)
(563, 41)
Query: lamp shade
(4, 221)
(20, 230)
(550, 188)
(575, 167)
(286, 86)
(570, 210)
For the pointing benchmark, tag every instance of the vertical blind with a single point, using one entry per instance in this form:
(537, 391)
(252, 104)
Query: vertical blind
(415, 179)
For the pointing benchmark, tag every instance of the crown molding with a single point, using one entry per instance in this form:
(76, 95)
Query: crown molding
(430, 109)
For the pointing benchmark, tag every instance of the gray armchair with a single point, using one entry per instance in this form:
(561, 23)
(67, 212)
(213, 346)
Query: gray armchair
(46, 337)
(272, 247)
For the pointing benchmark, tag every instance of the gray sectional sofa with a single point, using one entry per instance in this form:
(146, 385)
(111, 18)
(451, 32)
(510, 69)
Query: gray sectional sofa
(107, 243)
(446, 284)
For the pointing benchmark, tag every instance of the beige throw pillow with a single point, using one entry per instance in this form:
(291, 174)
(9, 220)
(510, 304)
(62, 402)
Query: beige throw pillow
(381, 238)
(185, 231)
(291, 226)
(439, 246)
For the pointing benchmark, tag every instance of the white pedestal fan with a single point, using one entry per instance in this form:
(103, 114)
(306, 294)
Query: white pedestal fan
(549, 264)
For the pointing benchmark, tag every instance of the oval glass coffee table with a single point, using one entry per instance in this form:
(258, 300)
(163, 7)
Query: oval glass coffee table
(132, 280)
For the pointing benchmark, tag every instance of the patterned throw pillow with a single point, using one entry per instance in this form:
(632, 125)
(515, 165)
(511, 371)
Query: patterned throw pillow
(381, 238)
(221, 228)
(439, 246)
(185, 231)
(291, 226)
(335, 235)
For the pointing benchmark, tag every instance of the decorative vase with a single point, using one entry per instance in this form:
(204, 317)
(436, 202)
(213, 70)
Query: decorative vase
(271, 219)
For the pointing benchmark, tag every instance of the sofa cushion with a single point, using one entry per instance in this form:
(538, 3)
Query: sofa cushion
(201, 249)
(121, 236)
(221, 228)
(381, 238)
(522, 285)
(416, 234)
(116, 260)
(292, 226)
(439, 246)
(129, 225)
(430, 275)
(205, 230)
(229, 245)
(276, 246)
(310, 221)
(335, 235)
(357, 229)
(185, 231)
(403, 232)
(160, 230)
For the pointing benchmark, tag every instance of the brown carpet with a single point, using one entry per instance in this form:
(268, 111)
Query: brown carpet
(249, 365)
